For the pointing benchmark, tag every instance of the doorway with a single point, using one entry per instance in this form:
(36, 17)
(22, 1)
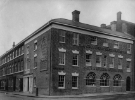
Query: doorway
(128, 83)
(21, 84)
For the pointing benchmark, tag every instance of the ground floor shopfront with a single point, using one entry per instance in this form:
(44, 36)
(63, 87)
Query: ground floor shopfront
(13, 82)
(28, 83)
(82, 82)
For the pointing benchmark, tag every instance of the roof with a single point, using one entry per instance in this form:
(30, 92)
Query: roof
(128, 22)
(79, 25)
(92, 28)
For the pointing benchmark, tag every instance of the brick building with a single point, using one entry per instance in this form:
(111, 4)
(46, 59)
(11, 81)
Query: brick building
(69, 57)
(11, 69)
(124, 27)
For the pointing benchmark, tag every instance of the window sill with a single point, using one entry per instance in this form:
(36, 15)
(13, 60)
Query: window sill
(61, 42)
(74, 87)
(43, 70)
(116, 47)
(75, 65)
(35, 86)
(104, 86)
(35, 50)
(128, 52)
(94, 43)
(75, 44)
(117, 86)
(119, 67)
(61, 87)
(61, 64)
(27, 69)
(105, 44)
(98, 66)
(88, 65)
(90, 86)
(35, 68)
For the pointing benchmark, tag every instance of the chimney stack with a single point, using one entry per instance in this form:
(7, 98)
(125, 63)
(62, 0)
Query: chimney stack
(103, 26)
(75, 15)
(13, 44)
(113, 26)
(119, 16)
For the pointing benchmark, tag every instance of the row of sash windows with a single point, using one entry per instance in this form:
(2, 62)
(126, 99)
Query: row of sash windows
(93, 40)
(99, 60)
(91, 80)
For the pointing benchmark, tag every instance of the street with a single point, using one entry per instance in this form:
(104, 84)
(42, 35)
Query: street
(4, 96)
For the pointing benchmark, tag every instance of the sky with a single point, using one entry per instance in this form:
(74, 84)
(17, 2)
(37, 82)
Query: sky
(19, 18)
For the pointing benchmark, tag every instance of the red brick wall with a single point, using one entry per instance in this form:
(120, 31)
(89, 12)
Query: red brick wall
(82, 69)
(42, 75)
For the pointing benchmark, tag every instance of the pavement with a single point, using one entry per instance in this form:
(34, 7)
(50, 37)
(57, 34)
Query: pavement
(68, 96)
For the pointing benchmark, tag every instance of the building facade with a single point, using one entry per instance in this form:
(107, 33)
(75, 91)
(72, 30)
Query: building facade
(11, 69)
(66, 57)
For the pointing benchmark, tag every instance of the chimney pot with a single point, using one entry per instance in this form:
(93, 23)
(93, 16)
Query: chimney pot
(103, 25)
(13, 44)
(75, 15)
(119, 16)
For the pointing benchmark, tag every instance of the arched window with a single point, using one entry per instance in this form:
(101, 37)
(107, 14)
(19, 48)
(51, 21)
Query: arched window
(117, 80)
(104, 79)
(90, 79)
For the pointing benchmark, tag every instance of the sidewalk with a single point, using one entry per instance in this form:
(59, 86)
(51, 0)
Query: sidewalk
(66, 96)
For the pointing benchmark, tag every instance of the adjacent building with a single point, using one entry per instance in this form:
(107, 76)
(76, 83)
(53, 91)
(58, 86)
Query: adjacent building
(11, 69)
(124, 27)
(66, 57)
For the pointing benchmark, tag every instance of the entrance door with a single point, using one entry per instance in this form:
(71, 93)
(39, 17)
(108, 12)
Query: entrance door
(21, 84)
(28, 84)
(128, 84)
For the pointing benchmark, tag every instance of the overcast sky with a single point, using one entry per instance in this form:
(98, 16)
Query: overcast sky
(19, 18)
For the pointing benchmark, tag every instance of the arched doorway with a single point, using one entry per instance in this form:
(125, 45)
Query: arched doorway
(128, 84)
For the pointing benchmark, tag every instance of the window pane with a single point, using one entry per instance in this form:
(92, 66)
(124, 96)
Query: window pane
(74, 81)
(61, 58)
(61, 81)
(75, 39)
(62, 37)
(88, 59)
(75, 59)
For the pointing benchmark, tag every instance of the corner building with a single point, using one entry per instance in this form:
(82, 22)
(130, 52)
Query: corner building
(68, 57)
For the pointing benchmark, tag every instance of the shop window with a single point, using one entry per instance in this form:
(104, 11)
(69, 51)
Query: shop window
(117, 80)
(104, 80)
(91, 79)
